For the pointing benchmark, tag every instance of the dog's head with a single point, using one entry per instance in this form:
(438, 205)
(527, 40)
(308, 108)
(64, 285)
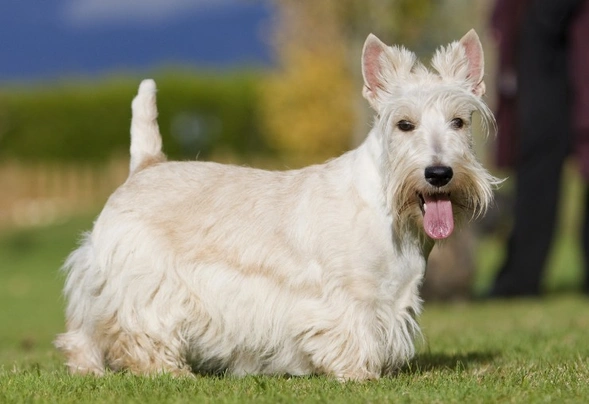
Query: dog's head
(424, 123)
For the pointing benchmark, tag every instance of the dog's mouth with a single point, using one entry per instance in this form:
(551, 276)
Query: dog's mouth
(438, 218)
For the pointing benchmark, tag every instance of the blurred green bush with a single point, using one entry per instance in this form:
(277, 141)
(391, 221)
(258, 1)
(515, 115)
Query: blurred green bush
(89, 121)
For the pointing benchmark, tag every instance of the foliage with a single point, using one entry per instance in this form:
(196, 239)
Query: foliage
(310, 105)
(89, 121)
(307, 107)
(307, 103)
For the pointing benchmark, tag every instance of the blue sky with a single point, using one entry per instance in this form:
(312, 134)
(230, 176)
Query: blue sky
(61, 38)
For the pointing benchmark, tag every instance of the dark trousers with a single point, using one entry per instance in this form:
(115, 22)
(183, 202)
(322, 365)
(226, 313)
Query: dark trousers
(545, 140)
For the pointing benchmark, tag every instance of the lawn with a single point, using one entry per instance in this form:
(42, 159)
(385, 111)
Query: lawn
(511, 351)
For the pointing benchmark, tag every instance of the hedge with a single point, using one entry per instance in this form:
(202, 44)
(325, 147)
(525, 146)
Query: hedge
(89, 121)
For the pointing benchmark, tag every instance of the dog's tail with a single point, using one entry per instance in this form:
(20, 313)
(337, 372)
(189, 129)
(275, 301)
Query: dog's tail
(146, 141)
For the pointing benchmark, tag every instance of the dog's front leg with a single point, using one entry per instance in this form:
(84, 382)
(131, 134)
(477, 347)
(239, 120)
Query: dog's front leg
(345, 347)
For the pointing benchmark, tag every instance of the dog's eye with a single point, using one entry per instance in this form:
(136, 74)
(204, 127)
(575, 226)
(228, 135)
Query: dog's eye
(405, 126)
(457, 123)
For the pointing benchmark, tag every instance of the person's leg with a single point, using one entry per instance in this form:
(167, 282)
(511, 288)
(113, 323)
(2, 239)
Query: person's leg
(536, 206)
(545, 136)
(585, 241)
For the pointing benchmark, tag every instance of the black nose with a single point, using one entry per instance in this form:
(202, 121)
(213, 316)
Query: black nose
(438, 176)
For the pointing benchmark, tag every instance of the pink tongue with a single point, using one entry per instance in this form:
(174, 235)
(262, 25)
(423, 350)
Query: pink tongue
(438, 221)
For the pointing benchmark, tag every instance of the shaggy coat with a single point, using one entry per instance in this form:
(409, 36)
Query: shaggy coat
(196, 266)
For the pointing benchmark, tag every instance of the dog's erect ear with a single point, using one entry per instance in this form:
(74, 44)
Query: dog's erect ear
(476, 61)
(463, 61)
(382, 67)
(372, 68)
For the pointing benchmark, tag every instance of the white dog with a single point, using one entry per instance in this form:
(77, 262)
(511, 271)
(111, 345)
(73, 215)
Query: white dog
(196, 266)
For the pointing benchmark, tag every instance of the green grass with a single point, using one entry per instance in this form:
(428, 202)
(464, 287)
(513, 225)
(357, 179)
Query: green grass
(512, 351)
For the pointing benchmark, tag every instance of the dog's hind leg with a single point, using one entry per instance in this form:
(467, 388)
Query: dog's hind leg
(81, 348)
(140, 353)
(83, 355)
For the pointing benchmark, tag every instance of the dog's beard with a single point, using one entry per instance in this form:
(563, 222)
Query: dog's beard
(438, 213)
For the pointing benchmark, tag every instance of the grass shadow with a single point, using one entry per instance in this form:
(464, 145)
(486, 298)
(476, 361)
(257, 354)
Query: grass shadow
(430, 362)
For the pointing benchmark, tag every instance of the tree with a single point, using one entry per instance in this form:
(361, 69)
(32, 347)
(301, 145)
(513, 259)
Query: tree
(306, 103)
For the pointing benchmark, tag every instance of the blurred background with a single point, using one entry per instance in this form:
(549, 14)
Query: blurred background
(269, 83)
